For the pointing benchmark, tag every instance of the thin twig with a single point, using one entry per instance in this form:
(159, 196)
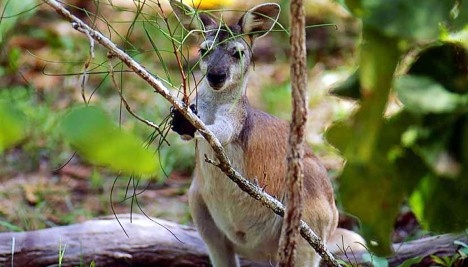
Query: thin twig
(85, 76)
(224, 163)
(125, 102)
(183, 76)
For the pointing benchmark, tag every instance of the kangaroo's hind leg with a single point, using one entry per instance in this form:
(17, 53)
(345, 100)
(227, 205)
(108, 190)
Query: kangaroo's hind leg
(220, 249)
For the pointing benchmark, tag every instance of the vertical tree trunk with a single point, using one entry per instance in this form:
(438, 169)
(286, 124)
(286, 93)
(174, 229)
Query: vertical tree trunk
(290, 234)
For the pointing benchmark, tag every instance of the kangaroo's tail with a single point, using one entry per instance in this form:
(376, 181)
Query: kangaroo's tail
(344, 240)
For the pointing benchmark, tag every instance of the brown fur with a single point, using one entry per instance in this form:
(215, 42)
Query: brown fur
(265, 141)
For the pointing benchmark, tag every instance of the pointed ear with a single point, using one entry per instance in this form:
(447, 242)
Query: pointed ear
(189, 18)
(259, 20)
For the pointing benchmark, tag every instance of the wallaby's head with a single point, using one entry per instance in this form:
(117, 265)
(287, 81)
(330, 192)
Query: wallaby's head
(225, 52)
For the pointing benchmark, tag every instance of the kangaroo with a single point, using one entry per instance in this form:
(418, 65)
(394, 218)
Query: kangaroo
(229, 221)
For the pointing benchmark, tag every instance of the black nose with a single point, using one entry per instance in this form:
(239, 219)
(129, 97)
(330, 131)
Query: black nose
(216, 79)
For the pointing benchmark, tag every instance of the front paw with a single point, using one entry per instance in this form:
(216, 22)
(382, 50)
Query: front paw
(181, 125)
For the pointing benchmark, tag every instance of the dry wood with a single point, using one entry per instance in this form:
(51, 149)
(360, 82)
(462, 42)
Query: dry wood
(152, 242)
(223, 162)
(294, 203)
(102, 241)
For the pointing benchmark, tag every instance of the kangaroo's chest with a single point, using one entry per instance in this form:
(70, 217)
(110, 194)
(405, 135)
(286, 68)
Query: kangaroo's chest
(250, 226)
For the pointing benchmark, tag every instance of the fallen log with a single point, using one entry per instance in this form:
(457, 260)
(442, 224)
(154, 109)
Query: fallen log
(149, 242)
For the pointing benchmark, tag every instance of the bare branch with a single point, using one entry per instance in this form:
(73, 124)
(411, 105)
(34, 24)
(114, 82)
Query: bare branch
(224, 163)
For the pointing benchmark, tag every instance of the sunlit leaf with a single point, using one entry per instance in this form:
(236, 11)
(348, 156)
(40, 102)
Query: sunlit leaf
(12, 125)
(90, 131)
(421, 94)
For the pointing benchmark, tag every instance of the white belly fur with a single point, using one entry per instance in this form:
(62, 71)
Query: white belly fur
(252, 228)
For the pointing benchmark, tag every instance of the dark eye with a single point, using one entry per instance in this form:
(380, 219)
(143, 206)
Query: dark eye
(238, 54)
(202, 51)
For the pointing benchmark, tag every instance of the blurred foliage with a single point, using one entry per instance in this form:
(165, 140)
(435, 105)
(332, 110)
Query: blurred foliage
(91, 132)
(12, 125)
(34, 123)
(10, 10)
(42, 60)
(277, 100)
(420, 153)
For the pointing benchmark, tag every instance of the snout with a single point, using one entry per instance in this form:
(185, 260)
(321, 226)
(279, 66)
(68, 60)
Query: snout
(216, 79)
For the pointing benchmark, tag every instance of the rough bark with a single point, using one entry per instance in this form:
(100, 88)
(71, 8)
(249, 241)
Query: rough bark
(151, 243)
(290, 232)
(223, 161)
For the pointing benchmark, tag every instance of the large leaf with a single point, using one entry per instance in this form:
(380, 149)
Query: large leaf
(379, 57)
(90, 131)
(12, 125)
(387, 158)
(440, 204)
(421, 94)
(374, 191)
(440, 199)
(414, 20)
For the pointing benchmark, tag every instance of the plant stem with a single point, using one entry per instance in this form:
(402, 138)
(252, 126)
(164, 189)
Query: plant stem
(295, 176)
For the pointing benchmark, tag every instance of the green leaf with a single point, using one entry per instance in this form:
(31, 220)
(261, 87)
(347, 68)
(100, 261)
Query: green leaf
(423, 95)
(459, 16)
(410, 262)
(440, 204)
(12, 125)
(387, 179)
(354, 6)
(379, 57)
(416, 20)
(442, 261)
(11, 227)
(90, 131)
(463, 145)
(13, 11)
(375, 260)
